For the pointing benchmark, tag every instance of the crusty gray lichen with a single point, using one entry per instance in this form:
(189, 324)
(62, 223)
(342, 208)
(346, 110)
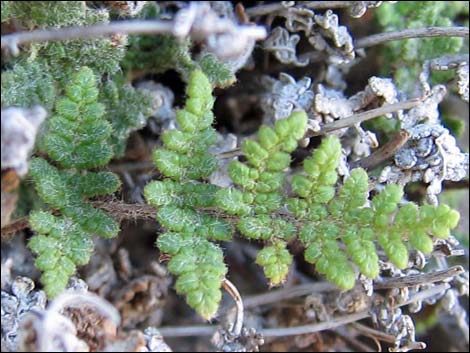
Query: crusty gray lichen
(283, 46)
(462, 80)
(17, 303)
(329, 28)
(431, 155)
(285, 95)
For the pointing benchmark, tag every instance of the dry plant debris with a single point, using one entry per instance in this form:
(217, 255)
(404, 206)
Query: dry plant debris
(316, 139)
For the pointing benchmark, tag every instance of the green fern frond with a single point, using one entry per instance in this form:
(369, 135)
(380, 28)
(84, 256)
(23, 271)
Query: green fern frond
(338, 225)
(184, 160)
(259, 191)
(27, 85)
(408, 56)
(61, 246)
(331, 218)
(77, 139)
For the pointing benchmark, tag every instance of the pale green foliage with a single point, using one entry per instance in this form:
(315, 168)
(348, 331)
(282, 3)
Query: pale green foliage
(6, 10)
(183, 160)
(217, 72)
(330, 217)
(27, 85)
(275, 260)
(40, 74)
(260, 191)
(339, 226)
(199, 266)
(158, 54)
(405, 57)
(161, 53)
(64, 57)
(61, 245)
(126, 109)
(92, 116)
(77, 133)
(185, 154)
(76, 139)
(45, 13)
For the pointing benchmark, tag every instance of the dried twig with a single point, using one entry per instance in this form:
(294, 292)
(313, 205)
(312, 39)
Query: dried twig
(382, 336)
(339, 321)
(383, 153)
(68, 33)
(368, 331)
(452, 185)
(207, 330)
(185, 331)
(354, 342)
(14, 227)
(413, 280)
(321, 326)
(321, 5)
(187, 22)
(268, 9)
(388, 150)
(380, 38)
(265, 9)
(364, 116)
(278, 295)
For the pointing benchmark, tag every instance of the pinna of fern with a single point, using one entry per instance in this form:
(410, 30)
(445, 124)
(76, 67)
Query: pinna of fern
(259, 192)
(184, 161)
(347, 217)
(338, 224)
(76, 139)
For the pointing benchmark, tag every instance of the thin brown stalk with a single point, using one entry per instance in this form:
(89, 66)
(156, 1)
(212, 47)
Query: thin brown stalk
(383, 153)
(413, 280)
(67, 33)
(382, 336)
(364, 116)
(207, 330)
(236, 328)
(119, 210)
(269, 9)
(428, 32)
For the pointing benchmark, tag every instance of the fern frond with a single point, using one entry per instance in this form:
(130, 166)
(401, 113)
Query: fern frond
(332, 217)
(184, 160)
(77, 139)
(259, 194)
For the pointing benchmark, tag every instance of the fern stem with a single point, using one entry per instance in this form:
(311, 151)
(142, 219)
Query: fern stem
(236, 328)
(427, 32)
